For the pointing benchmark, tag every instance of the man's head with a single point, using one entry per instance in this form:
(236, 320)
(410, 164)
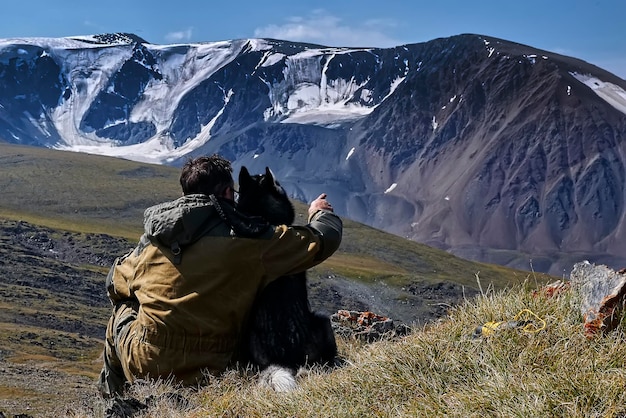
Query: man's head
(207, 175)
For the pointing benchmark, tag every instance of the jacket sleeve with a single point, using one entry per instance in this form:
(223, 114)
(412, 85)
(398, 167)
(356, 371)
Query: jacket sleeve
(294, 249)
(122, 273)
(329, 228)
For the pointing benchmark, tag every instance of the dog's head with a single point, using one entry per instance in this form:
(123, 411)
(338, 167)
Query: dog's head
(262, 195)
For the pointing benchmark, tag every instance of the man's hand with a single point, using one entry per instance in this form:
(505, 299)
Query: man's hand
(319, 204)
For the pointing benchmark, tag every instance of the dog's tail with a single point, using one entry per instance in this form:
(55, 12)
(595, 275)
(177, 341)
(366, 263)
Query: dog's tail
(281, 379)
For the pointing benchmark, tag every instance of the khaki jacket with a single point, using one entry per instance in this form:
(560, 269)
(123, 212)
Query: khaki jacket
(195, 281)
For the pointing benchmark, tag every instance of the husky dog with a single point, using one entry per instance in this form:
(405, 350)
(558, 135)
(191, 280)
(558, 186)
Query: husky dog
(283, 333)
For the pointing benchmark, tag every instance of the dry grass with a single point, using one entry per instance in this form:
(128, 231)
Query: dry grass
(441, 370)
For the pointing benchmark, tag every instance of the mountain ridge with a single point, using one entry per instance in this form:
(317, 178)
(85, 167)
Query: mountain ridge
(489, 149)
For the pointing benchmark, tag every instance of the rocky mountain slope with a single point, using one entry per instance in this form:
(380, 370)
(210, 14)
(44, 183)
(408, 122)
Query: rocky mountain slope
(486, 148)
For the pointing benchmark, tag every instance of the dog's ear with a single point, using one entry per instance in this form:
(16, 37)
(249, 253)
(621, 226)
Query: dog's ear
(270, 181)
(271, 178)
(244, 176)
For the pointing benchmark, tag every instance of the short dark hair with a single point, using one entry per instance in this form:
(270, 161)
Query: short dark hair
(206, 175)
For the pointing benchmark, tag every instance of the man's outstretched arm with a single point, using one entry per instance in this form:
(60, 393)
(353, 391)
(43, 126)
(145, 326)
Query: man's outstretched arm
(327, 225)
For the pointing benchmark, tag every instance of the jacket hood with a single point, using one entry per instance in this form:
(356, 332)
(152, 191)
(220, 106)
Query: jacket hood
(180, 221)
(183, 221)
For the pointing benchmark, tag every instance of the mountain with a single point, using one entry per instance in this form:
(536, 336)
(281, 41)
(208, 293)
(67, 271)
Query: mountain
(489, 149)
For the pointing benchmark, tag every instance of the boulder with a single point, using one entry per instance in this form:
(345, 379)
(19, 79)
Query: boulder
(602, 291)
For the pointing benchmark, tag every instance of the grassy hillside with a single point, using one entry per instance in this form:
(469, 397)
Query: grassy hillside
(441, 371)
(65, 216)
(81, 192)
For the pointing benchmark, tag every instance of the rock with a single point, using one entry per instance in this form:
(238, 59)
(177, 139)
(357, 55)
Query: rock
(602, 292)
(366, 326)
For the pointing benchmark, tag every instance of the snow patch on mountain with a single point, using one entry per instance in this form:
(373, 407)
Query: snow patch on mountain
(609, 92)
(391, 188)
(313, 98)
(157, 150)
(182, 70)
(88, 73)
(306, 94)
(270, 59)
(51, 43)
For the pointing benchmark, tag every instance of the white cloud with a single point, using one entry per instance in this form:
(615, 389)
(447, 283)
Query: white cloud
(179, 36)
(325, 29)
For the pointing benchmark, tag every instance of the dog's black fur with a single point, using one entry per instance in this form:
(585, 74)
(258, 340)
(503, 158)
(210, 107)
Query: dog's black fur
(282, 329)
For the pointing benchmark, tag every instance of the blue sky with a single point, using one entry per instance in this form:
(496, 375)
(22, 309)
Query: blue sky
(593, 30)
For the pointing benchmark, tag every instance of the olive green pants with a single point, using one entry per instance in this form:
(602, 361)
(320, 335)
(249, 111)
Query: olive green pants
(131, 352)
(112, 379)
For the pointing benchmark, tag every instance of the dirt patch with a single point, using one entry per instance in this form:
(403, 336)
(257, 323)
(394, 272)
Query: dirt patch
(41, 389)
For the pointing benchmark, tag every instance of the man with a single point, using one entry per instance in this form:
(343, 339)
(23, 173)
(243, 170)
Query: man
(181, 297)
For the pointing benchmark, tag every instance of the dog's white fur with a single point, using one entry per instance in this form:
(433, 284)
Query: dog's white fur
(280, 379)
